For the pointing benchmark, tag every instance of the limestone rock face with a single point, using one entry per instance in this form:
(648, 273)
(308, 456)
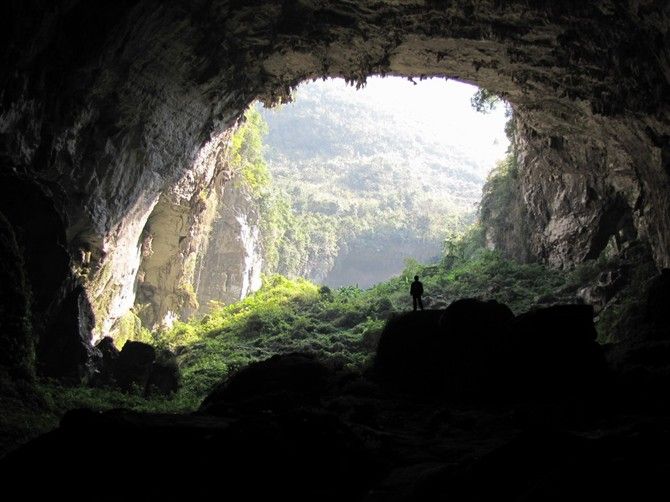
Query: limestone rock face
(175, 235)
(113, 107)
(576, 194)
(229, 266)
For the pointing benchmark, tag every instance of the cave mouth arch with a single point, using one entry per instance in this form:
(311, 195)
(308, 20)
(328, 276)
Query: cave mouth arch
(114, 105)
(402, 162)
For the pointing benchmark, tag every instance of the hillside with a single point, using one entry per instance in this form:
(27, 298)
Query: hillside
(381, 174)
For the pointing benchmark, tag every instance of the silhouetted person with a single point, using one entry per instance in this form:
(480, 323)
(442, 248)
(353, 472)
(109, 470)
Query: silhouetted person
(416, 290)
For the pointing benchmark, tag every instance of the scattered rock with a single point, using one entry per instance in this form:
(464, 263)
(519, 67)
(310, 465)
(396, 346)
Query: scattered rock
(165, 377)
(106, 356)
(279, 383)
(138, 367)
(134, 365)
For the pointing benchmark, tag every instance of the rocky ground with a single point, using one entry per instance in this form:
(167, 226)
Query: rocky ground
(466, 403)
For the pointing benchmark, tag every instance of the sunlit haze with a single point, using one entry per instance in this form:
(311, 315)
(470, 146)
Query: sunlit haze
(388, 171)
(436, 108)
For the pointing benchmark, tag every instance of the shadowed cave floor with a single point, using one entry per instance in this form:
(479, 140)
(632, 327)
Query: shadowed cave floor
(291, 428)
(372, 447)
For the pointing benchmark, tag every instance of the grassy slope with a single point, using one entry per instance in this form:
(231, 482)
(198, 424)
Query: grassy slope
(341, 326)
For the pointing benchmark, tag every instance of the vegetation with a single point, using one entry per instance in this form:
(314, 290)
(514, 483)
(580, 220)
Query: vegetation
(342, 325)
(305, 228)
(485, 101)
(30, 409)
(285, 315)
(246, 153)
(350, 183)
(499, 191)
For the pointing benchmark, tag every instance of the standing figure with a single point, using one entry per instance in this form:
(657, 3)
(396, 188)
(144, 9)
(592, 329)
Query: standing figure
(416, 290)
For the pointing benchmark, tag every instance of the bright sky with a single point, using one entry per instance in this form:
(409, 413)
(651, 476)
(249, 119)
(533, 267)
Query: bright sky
(440, 109)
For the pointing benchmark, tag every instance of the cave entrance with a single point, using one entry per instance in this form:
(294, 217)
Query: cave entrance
(375, 176)
(343, 186)
(116, 107)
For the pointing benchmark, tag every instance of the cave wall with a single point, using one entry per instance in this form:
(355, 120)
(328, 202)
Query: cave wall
(111, 104)
(571, 196)
(175, 235)
(41, 283)
(17, 344)
(229, 265)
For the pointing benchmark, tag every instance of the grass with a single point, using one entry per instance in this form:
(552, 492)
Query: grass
(341, 326)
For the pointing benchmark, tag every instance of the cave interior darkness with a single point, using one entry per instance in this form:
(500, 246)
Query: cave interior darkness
(115, 116)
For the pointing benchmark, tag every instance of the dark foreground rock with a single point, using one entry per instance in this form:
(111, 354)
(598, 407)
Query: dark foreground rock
(476, 349)
(296, 456)
(291, 428)
(419, 451)
(641, 359)
(555, 466)
(138, 366)
(279, 383)
(553, 352)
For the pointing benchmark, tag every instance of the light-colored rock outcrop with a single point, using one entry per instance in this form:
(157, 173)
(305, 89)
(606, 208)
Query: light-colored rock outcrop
(229, 266)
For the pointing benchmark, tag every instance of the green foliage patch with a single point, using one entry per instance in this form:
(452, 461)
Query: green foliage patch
(342, 326)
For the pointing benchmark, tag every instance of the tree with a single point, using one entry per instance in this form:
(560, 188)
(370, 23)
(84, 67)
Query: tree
(485, 101)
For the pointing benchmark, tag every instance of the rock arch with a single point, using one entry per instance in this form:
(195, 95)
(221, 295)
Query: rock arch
(118, 104)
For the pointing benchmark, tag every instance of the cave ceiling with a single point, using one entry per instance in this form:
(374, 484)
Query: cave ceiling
(108, 107)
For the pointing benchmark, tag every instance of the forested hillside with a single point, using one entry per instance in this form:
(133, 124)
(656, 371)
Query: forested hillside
(372, 181)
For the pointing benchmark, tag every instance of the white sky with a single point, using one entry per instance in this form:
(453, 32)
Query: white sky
(437, 108)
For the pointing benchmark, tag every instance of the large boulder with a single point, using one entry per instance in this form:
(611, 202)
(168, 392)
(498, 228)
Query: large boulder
(476, 349)
(134, 365)
(553, 351)
(475, 331)
(165, 377)
(279, 383)
(450, 350)
(139, 367)
(105, 357)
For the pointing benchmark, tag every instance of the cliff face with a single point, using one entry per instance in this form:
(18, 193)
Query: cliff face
(579, 193)
(106, 110)
(173, 237)
(570, 197)
(229, 266)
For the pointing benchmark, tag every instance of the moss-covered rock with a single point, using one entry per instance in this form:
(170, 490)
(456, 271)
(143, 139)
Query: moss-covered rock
(129, 328)
(17, 344)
